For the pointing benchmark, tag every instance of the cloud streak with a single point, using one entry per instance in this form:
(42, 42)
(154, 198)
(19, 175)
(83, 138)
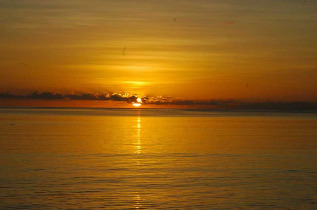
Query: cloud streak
(161, 100)
(73, 96)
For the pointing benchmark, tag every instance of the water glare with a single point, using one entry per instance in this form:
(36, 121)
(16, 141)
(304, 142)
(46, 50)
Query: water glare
(138, 144)
(156, 159)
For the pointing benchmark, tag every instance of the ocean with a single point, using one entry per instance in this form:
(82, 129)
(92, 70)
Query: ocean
(157, 159)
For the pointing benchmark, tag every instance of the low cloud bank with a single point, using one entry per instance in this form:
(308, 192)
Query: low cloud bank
(73, 96)
(160, 100)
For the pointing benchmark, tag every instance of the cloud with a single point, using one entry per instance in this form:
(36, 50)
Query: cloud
(45, 96)
(167, 100)
(74, 96)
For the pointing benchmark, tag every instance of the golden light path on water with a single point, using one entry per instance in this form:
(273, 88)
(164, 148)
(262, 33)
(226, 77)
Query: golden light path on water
(138, 203)
(138, 145)
(156, 159)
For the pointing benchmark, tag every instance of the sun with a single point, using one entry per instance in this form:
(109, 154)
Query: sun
(138, 103)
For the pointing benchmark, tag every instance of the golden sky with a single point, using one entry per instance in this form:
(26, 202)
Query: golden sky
(193, 49)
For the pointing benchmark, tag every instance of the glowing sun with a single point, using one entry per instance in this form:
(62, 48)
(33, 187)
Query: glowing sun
(138, 103)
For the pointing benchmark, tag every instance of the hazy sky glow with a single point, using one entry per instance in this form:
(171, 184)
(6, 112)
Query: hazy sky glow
(202, 49)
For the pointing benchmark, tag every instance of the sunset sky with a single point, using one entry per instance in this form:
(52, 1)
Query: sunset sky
(191, 49)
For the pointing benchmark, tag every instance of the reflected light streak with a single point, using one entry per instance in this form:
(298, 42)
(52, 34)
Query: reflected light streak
(138, 145)
(138, 201)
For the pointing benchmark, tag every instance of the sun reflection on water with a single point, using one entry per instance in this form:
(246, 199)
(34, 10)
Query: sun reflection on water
(138, 144)
(137, 199)
(137, 204)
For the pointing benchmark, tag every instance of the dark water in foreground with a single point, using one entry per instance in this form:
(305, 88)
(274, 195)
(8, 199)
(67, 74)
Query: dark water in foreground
(157, 159)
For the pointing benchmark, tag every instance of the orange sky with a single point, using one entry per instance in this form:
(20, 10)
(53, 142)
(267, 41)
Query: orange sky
(216, 49)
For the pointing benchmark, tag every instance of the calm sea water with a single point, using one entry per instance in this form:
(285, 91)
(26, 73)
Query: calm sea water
(157, 159)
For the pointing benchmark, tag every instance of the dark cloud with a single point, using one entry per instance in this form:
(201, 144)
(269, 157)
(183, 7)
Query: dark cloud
(7, 95)
(45, 96)
(161, 100)
(83, 96)
(73, 96)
